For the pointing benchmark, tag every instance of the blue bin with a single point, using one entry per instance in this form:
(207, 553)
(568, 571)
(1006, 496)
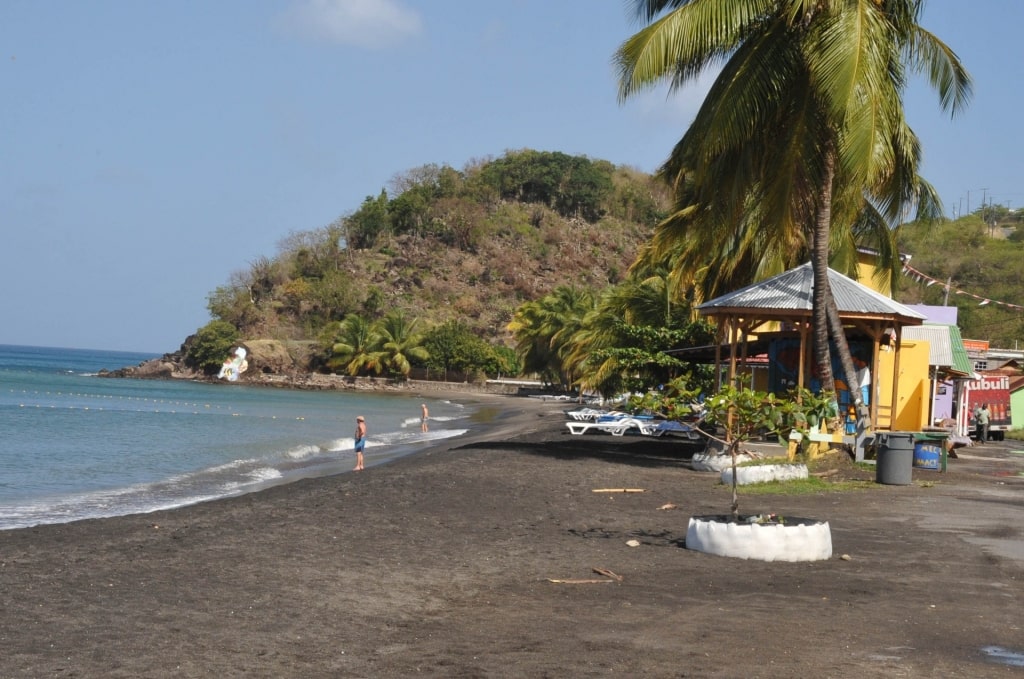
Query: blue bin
(927, 455)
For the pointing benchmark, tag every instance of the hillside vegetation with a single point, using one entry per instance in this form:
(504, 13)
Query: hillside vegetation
(465, 250)
(445, 245)
(979, 259)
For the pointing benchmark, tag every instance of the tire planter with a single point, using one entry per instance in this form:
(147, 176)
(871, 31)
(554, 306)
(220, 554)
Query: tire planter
(795, 540)
(764, 473)
(707, 462)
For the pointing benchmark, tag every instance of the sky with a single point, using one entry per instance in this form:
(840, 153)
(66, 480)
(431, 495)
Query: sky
(148, 150)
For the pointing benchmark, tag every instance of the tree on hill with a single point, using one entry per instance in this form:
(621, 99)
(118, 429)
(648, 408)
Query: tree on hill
(212, 344)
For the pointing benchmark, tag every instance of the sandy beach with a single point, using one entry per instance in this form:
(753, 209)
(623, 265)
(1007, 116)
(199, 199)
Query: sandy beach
(441, 565)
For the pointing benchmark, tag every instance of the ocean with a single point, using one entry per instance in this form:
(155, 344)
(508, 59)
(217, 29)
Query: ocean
(76, 446)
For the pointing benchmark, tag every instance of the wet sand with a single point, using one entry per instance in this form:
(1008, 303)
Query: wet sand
(440, 565)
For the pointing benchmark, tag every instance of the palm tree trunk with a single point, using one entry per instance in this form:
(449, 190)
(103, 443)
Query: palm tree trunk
(819, 266)
(843, 351)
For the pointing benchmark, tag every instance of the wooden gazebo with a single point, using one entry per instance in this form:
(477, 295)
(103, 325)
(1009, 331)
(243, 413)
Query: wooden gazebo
(786, 300)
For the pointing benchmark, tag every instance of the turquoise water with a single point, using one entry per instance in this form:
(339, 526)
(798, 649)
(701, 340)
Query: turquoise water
(74, 445)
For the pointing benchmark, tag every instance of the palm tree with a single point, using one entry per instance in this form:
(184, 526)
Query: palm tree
(357, 347)
(620, 344)
(399, 342)
(544, 332)
(801, 144)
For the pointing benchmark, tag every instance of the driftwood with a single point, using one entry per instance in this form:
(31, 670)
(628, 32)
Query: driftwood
(821, 475)
(620, 490)
(609, 577)
(607, 573)
(579, 582)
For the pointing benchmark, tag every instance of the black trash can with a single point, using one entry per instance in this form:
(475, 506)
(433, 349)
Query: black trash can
(895, 461)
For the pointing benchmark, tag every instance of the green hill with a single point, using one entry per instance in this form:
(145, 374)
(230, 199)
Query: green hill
(443, 244)
(979, 260)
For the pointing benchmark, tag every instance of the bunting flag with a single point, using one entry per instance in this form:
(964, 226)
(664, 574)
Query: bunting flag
(929, 281)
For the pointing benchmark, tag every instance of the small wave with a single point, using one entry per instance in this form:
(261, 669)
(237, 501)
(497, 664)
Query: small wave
(444, 418)
(265, 474)
(302, 452)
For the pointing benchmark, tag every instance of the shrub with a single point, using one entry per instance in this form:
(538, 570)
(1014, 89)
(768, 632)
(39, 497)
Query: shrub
(213, 343)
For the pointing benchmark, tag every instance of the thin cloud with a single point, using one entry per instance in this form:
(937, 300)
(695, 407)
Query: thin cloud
(363, 23)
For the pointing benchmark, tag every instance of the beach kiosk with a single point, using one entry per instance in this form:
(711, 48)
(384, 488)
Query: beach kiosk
(769, 325)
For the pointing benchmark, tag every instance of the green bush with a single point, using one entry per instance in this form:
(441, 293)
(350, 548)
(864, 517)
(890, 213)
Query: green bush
(213, 343)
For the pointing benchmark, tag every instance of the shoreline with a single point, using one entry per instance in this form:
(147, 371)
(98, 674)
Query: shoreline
(441, 564)
(482, 413)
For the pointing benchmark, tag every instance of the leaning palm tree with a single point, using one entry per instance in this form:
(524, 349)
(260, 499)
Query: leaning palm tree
(802, 139)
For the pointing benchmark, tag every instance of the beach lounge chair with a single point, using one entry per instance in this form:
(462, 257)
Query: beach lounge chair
(673, 428)
(615, 426)
(586, 414)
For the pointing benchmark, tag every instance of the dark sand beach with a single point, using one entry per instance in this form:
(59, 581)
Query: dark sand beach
(440, 565)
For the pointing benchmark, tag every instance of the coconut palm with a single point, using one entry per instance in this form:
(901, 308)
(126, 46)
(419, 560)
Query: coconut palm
(620, 344)
(357, 348)
(544, 331)
(400, 342)
(801, 144)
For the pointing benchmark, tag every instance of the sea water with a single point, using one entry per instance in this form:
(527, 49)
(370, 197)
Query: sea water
(74, 445)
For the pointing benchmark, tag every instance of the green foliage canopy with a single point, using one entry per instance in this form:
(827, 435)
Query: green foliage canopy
(212, 344)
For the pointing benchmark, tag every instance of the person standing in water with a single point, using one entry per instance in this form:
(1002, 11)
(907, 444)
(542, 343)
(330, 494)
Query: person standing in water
(360, 437)
(423, 417)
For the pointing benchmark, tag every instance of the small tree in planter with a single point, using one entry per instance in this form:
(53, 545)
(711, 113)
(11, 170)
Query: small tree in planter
(745, 413)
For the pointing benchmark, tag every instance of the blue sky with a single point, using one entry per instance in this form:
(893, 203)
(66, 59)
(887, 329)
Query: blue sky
(150, 149)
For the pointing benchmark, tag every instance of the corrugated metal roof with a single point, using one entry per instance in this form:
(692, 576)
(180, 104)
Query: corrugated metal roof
(792, 291)
(961, 360)
(946, 348)
(939, 353)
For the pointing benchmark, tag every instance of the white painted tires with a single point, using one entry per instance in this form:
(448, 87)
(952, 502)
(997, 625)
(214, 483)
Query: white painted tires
(705, 462)
(764, 473)
(795, 540)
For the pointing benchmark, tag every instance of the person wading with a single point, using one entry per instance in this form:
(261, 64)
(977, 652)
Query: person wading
(360, 437)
